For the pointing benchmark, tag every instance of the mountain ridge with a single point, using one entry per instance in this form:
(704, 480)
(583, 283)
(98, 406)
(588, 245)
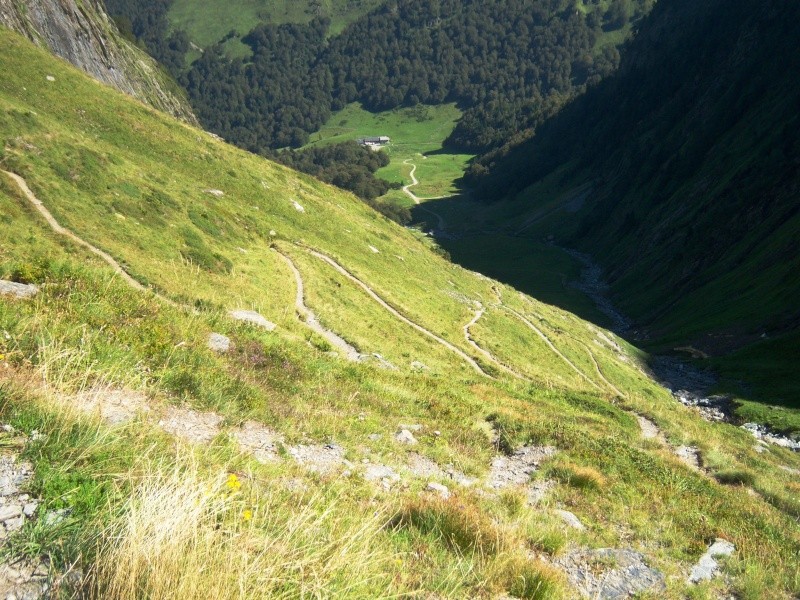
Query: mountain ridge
(81, 33)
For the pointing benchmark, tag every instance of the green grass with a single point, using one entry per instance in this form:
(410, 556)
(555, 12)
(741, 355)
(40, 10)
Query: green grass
(417, 134)
(133, 182)
(208, 22)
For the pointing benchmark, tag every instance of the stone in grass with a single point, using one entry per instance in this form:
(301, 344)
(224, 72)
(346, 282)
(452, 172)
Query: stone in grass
(218, 342)
(10, 512)
(570, 519)
(387, 476)
(708, 567)
(517, 468)
(18, 290)
(416, 427)
(251, 316)
(438, 488)
(404, 436)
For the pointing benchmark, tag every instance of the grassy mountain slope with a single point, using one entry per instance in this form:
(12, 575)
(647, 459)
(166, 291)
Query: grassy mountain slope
(690, 181)
(82, 34)
(141, 186)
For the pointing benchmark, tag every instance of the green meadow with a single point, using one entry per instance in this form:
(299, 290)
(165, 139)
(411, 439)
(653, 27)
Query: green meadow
(417, 134)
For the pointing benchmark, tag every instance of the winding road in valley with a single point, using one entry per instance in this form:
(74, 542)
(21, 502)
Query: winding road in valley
(442, 224)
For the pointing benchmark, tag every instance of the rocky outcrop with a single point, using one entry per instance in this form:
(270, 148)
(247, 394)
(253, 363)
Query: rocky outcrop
(80, 32)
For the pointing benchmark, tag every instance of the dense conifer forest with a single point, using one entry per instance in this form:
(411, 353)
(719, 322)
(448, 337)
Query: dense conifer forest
(506, 63)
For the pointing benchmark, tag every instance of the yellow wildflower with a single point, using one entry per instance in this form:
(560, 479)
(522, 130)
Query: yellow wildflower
(233, 484)
(247, 515)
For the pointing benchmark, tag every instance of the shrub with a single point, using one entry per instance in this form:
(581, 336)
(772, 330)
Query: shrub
(585, 478)
(530, 580)
(462, 527)
(735, 477)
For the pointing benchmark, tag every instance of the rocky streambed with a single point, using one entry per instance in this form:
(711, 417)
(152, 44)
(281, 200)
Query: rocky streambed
(689, 385)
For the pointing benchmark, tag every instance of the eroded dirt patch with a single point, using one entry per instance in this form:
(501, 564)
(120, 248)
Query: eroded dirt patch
(258, 440)
(320, 458)
(517, 468)
(113, 406)
(191, 425)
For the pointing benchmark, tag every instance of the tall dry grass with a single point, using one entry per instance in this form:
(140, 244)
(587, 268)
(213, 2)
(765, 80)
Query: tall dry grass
(188, 536)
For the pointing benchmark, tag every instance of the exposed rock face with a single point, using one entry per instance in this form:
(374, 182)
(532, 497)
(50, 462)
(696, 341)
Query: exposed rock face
(81, 33)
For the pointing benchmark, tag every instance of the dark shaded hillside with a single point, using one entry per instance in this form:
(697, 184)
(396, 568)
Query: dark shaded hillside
(693, 155)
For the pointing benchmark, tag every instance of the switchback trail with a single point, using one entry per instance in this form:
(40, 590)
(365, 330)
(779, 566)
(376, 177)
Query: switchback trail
(370, 292)
(23, 186)
(600, 373)
(552, 347)
(488, 355)
(311, 320)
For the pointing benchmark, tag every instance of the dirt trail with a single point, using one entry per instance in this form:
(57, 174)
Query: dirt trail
(370, 292)
(485, 353)
(442, 224)
(600, 373)
(311, 320)
(23, 186)
(547, 341)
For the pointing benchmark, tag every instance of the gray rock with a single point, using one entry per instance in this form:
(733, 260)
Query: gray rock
(15, 523)
(219, 343)
(538, 490)
(570, 519)
(10, 512)
(459, 477)
(610, 573)
(690, 455)
(381, 473)
(517, 468)
(30, 509)
(374, 437)
(707, 567)
(406, 437)
(215, 193)
(18, 290)
(251, 316)
(424, 467)
(440, 489)
(56, 517)
(259, 440)
(81, 33)
(385, 476)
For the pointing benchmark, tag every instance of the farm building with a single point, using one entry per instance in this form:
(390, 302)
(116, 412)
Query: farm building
(375, 141)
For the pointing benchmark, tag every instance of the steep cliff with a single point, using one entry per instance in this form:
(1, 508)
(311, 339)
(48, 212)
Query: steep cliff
(80, 32)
